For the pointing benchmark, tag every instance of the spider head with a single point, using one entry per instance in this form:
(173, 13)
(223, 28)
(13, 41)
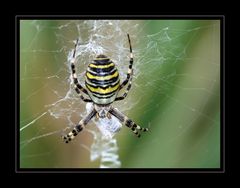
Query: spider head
(102, 110)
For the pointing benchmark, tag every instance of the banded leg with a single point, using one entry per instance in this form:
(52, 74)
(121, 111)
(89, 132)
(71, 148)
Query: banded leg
(128, 122)
(79, 127)
(126, 92)
(130, 71)
(78, 88)
(80, 95)
(129, 74)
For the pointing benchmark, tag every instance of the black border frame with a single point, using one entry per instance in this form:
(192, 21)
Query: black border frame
(222, 168)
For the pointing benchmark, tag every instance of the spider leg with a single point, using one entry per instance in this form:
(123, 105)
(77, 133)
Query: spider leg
(129, 74)
(79, 127)
(78, 88)
(80, 95)
(128, 122)
(126, 92)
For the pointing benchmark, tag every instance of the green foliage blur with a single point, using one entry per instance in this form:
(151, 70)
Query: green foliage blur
(181, 103)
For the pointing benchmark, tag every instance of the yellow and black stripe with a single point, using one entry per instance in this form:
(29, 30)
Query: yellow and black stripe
(102, 80)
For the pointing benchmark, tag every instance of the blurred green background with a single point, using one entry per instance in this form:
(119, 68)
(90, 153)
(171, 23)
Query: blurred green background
(176, 93)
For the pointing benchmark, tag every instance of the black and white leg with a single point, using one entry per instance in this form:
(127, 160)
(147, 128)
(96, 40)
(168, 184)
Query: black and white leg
(78, 88)
(126, 92)
(79, 127)
(128, 80)
(128, 122)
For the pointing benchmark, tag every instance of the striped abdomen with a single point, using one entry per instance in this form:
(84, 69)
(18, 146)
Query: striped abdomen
(102, 80)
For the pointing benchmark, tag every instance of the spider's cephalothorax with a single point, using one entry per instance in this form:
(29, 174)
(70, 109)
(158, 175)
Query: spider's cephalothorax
(102, 80)
(102, 83)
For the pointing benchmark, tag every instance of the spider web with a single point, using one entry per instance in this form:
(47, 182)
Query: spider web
(49, 106)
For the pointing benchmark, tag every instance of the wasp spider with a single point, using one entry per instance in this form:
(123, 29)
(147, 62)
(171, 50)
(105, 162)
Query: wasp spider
(102, 87)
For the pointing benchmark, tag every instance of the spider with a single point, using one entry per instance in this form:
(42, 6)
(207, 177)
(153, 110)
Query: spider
(102, 86)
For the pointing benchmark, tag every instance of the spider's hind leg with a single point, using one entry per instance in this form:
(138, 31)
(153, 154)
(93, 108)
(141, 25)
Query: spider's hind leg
(77, 86)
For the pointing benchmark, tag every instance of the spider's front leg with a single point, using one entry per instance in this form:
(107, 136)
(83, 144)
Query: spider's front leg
(79, 127)
(128, 122)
